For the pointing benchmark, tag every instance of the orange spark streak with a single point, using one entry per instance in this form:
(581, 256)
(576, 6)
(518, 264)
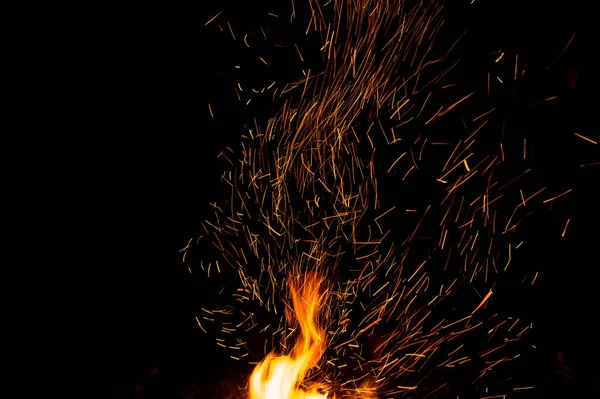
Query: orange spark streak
(585, 138)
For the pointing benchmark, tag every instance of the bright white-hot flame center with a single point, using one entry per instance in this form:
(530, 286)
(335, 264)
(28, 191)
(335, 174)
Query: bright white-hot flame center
(279, 377)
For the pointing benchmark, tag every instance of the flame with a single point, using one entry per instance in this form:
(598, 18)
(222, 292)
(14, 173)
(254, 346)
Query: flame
(280, 377)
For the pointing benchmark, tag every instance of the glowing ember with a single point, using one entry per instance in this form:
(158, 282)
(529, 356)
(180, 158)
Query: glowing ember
(280, 377)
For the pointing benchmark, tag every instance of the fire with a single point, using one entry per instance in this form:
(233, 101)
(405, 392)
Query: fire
(280, 377)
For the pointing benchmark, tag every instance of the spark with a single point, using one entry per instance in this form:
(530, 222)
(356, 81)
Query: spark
(585, 138)
(565, 229)
(487, 296)
(562, 52)
(557, 196)
(213, 18)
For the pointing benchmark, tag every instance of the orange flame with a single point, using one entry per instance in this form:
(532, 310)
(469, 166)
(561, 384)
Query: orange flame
(279, 377)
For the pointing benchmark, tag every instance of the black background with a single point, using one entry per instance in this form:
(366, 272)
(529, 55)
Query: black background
(155, 147)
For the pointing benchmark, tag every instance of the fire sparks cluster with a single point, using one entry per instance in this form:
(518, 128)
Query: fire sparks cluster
(354, 289)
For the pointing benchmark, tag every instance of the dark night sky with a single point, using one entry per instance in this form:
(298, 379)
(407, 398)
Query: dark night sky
(158, 172)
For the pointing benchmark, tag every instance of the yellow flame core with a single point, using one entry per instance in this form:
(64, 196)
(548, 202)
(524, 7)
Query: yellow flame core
(279, 377)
